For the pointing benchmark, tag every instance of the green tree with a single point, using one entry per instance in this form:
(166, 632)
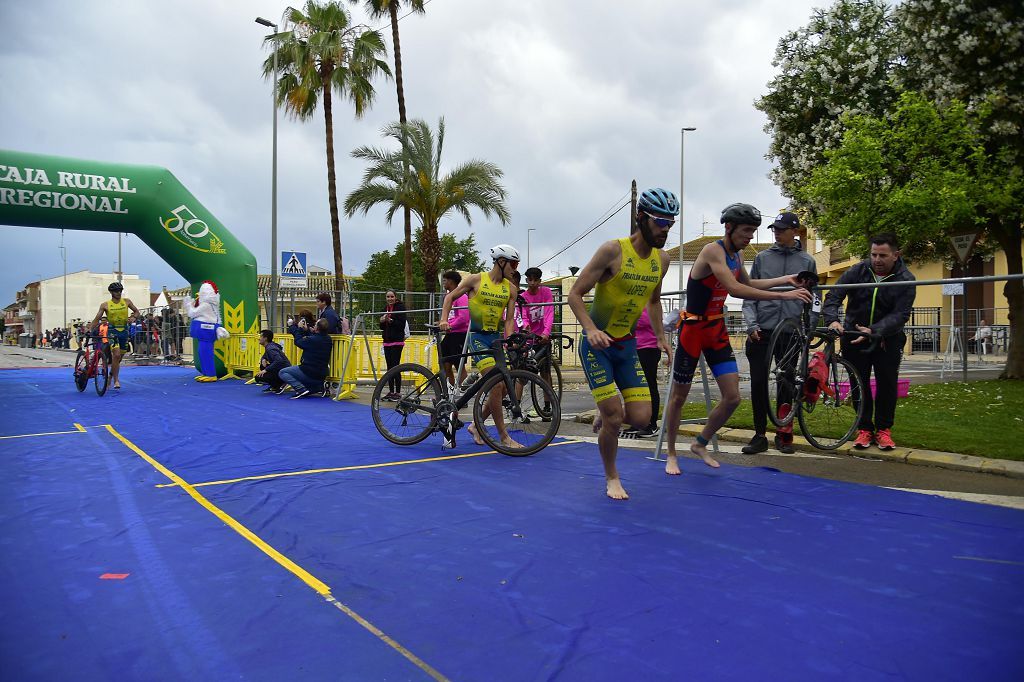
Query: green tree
(924, 173)
(840, 63)
(378, 9)
(428, 194)
(325, 53)
(384, 269)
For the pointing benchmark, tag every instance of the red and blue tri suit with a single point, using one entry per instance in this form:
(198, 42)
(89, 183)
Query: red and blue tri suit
(702, 326)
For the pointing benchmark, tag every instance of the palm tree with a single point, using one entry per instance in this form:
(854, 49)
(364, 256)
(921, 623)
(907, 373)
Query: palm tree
(377, 10)
(323, 54)
(422, 189)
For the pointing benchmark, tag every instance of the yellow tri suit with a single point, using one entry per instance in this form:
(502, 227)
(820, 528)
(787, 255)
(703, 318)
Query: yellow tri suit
(618, 304)
(485, 318)
(117, 322)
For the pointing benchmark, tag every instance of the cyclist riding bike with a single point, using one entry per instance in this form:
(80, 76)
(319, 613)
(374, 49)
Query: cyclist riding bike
(491, 294)
(627, 273)
(716, 273)
(116, 310)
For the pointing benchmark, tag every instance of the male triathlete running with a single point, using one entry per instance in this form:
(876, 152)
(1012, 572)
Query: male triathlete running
(717, 273)
(116, 310)
(491, 294)
(628, 274)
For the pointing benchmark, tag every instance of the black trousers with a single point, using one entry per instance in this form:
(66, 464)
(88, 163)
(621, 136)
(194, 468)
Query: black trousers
(393, 358)
(649, 359)
(757, 356)
(880, 411)
(272, 379)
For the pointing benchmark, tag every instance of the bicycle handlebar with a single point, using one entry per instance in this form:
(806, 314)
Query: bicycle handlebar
(826, 333)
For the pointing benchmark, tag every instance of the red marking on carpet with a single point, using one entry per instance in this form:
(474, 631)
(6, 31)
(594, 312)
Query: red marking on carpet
(114, 576)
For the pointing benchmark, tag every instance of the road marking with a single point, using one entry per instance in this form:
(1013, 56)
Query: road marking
(354, 467)
(50, 433)
(321, 588)
(1011, 501)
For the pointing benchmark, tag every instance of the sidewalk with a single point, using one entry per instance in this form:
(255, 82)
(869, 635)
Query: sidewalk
(917, 456)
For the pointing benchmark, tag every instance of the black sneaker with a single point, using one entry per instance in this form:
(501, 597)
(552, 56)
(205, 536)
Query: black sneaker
(280, 389)
(758, 443)
(268, 389)
(784, 446)
(301, 394)
(649, 431)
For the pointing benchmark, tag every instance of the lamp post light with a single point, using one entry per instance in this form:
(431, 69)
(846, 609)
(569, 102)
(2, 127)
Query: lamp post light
(273, 185)
(528, 231)
(682, 165)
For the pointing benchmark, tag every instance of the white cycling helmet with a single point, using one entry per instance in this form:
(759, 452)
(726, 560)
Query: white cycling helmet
(505, 251)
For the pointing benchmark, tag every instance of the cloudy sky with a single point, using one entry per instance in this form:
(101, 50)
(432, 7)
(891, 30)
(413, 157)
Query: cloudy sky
(572, 99)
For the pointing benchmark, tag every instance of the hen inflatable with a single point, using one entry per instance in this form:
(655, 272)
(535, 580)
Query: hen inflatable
(206, 328)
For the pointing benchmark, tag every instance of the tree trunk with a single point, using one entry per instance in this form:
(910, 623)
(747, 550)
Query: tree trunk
(1009, 238)
(430, 250)
(332, 189)
(393, 9)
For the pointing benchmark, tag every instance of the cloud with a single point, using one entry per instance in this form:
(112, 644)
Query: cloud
(571, 100)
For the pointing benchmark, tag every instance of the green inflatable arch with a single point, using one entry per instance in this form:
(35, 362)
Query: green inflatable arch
(147, 201)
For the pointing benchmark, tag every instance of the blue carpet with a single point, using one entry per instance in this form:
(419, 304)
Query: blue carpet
(484, 567)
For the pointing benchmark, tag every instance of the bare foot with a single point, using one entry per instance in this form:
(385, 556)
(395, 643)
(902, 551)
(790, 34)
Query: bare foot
(671, 465)
(702, 452)
(509, 442)
(476, 437)
(615, 490)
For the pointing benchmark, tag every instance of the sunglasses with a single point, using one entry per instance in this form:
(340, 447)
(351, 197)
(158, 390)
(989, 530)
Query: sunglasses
(662, 222)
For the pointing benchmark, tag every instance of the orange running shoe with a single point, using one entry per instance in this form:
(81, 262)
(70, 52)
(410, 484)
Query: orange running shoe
(884, 440)
(863, 440)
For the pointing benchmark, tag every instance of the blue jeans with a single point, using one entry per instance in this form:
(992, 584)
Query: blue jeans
(299, 380)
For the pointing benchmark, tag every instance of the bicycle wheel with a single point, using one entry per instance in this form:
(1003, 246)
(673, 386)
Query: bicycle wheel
(785, 371)
(102, 376)
(81, 370)
(542, 407)
(832, 419)
(412, 417)
(530, 434)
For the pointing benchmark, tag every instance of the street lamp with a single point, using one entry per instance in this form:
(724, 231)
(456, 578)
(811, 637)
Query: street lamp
(273, 185)
(682, 165)
(528, 231)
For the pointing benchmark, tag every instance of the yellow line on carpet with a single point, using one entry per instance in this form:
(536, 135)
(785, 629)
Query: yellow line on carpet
(321, 588)
(349, 468)
(79, 427)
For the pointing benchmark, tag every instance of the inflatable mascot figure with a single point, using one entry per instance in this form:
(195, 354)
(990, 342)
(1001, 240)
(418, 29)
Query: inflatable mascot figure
(206, 328)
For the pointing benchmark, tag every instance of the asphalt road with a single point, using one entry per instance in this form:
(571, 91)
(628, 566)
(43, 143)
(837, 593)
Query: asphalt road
(971, 486)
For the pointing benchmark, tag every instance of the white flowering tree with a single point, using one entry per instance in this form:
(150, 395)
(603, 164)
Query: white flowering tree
(923, 172)
(839, 64)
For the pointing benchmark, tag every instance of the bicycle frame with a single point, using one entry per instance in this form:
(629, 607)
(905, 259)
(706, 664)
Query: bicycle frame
(461, 398)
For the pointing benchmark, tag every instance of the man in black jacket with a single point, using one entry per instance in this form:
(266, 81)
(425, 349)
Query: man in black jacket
(309, 376)
(883, 311)
(271, 364)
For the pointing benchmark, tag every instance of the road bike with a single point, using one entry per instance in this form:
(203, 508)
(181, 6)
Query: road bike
(534, 356)
(810, 382)
(92, 363)
(428, 404)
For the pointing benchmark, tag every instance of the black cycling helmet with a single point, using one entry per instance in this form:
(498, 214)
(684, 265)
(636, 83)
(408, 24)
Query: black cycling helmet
(115, 286)
(658, 202)
(741, 214)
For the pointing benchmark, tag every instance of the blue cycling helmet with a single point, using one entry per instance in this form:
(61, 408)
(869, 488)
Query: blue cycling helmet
(658, 201)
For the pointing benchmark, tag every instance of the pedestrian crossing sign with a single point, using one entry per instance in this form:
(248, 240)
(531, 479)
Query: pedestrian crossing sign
(293, 270)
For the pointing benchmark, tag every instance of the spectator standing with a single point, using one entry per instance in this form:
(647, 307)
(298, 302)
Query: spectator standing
(325, 311)
(762, 317)
(883, 311)
(271, 364)
(458, 324)
(392, 328)
(538, 315)
(311, 372)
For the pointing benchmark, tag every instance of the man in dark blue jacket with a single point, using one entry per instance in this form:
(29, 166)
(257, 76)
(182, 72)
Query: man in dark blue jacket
(271, 364)
(883, 311)
(316, 346)
(326, 312)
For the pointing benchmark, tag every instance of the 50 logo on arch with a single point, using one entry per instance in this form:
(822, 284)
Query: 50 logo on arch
(191, 231)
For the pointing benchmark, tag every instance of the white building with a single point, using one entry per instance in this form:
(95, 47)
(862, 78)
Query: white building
(44, 301)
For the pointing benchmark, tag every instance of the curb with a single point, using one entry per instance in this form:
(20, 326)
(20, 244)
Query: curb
(915, 456)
